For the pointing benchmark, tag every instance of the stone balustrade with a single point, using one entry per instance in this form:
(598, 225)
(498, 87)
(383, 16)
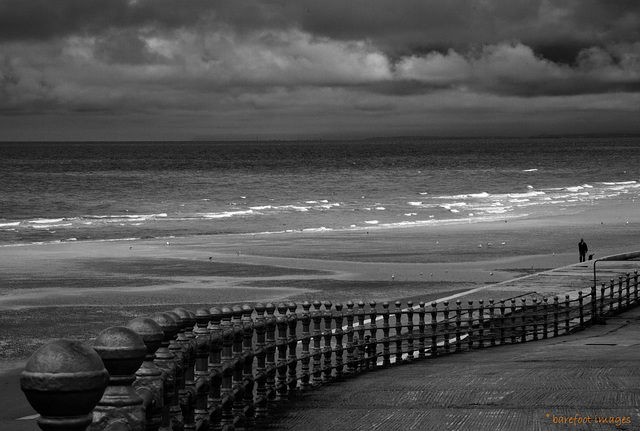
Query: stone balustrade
(224, 368)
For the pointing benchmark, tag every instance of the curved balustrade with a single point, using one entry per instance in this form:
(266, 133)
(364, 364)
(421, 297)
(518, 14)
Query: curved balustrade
(225, 368)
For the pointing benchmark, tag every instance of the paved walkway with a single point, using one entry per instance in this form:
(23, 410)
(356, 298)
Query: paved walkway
(591, 375)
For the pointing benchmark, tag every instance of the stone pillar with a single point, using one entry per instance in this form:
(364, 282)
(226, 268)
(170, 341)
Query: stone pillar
(63, 381)
(122, 352)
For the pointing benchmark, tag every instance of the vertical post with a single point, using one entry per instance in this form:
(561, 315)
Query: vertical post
(410, 349)
(628, 288)
(421, 330)
(434, 329)
(165, 361)
(481, 322)
(317, 338)
(351, 365)
(534, 316)
(386, 351)
(611, 294)
(594, 305)
(238, 367)
(545, 310)
(398, 331)
(339, 334)
(282, 323)
(567, 322)
(261, 367)
(305, 382)
(445, 324)
(556, 320)
(373, 342)
(580, 308)
(523, 321)
(209, 372)
(248, 378)
(361, 335)
(271, 326)
(603, 289)
(175, 346)
(470, 325)
(292, 358)
(458, 325)
(513, 320)
(620, 295)
(328, 349)
(492, 318)
(502, 321)
(227, 368)
(635, 287)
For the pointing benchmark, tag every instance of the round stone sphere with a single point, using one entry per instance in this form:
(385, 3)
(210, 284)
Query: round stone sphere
(122, 350)
(64, 378)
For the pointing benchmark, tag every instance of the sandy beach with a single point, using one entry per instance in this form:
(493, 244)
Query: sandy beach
(76, 289)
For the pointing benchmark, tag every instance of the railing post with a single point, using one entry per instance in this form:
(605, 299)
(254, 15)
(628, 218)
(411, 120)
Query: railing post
(545, 323)
(628, 288)
(481, 322)
(271, 326)
(594, 305)
(238, 367)
(492, 318)
(398, 332)
(339, 334)
(635, 287)
(281, 385)
(292, 358)
(410, 349)
(63, 381)
(373, 342)
(305, 380)
(434, 329)
(176, 348)
(386, 341)
(513, 320)
(188, 394)
(317, 338)
(421, 330)
(458, 325)
(165, 361)
(502, 321)
(534, 313)
(148, 381)
(248, 379)
(523, 321)
(122, 352)
(580, 308)
(261, 401)
(470, 321)
(445, 326)
(361, 346)
(611, 294)
(567, 305)
(620, 294)
(226, 369)
(351, 363)
(556, 317)
(603, 289)
(209, 331)
(328, 348)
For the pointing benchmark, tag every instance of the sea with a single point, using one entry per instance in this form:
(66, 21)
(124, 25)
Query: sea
(118, 191)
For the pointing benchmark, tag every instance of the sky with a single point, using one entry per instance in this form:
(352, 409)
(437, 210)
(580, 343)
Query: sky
(309, 69)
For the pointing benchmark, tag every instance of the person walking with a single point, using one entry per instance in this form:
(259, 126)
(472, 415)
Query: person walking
(582, 249)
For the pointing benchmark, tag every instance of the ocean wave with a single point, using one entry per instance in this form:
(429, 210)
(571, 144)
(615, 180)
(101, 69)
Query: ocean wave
(225, 214)
(13, 223)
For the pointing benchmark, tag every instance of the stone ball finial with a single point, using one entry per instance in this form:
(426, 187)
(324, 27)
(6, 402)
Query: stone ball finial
(122, 350)
(150, 332)
(168, 325)
(63, 381)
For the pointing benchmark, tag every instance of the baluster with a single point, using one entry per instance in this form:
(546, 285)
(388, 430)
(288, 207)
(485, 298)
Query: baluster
(176, 348)
(567, 305)
(122, 352)
(513, 320)
(628, 288)
(545, 310)
(351, 365)
(580, 309)
(492, 316)
(361, 336)
(261, 367)
(271, 325)
(63, 381)
(612, 293)
(281, 386)
(372, 344)
(165, 361)
(523, 321)
(200, 388)
(556, 320)
(209, 372)
(534, 316)
(458, 325)
(305, 378)
(227, 368)
(339, 333)
(602, 295)
(292, 359)
(620, 295)
(445, 324)
(188, 393)
(327, 350)
(398, 331)
(410, 356)
(470, 325)
(317, 337)
(386, 339)
(421, 330)
(481, 322)
(148, 381)
(594, 304)
(502, 321)
(238, 367)
(635, 287)
(434, 329)
(248, 380)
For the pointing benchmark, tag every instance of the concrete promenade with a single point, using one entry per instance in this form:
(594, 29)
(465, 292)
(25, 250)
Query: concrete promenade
(589, 376)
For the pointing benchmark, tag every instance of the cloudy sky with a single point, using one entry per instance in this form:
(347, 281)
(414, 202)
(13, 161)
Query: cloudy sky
(299, 69)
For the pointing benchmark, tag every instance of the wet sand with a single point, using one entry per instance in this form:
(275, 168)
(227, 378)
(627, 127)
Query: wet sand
(76, 289)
